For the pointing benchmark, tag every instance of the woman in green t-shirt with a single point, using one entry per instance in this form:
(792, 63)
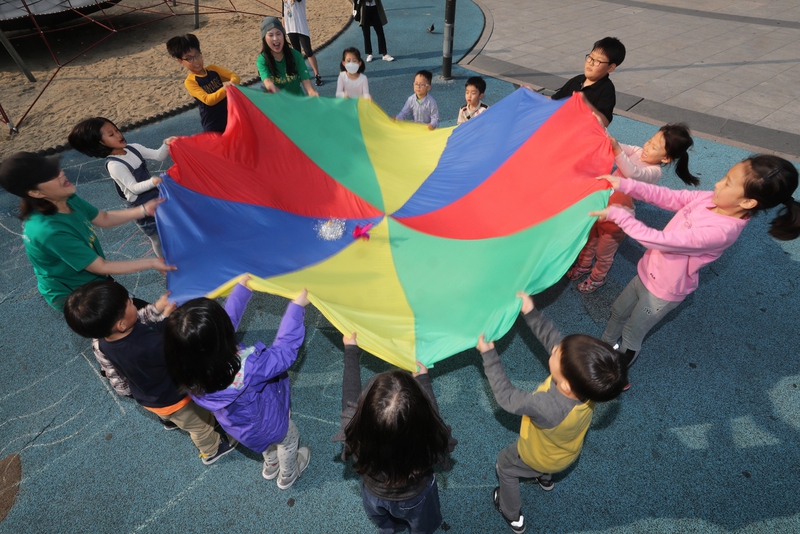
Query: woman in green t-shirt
(58, 231)
(280, 66)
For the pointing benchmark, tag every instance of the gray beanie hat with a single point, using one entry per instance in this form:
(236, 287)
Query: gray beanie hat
(23, 171)
(268, 23)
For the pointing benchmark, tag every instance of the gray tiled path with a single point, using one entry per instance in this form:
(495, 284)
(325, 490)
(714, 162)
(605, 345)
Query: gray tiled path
(731, 69)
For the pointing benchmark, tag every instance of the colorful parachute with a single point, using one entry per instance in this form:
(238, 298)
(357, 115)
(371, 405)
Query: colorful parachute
(418, 240)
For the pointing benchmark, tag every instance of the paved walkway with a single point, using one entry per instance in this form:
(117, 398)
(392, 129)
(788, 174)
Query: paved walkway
(729, 68)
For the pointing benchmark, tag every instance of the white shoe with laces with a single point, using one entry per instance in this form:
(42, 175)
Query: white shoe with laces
(369, 58)
(387, 57)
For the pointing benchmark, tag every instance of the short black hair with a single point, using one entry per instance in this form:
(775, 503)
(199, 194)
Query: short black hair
(428, 75)
(93, 309)
(200, 347)
(612, 48)
(181, 45)
(594, 370)
(477, 82)
(86, 138)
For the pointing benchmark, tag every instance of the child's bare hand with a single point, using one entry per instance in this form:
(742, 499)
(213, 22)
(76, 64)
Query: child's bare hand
(157, 180)
(421, 370)
(271, 87)
(302, 298)
(610, 178)
(615, 145)
(527, 302)
(431, 127)
(169, 309)
(601, 215)
(350, 340)
(169, 140)
(227, 84)
(162, 302)
(244, 279)
(483, 346)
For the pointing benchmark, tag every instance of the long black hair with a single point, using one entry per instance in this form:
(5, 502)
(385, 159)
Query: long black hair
(771, 181)
(395, 436)
(677, 142)
(266, 51)
(200, 347)
(87, 139)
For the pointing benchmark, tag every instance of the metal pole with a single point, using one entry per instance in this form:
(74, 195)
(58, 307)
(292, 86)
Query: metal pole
(17, 59)
(196, 14)
(449, 26)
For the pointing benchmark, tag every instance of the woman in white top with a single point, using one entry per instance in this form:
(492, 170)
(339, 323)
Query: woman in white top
(294, 20)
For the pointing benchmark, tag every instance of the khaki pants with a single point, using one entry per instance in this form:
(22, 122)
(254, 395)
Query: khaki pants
(199, 423)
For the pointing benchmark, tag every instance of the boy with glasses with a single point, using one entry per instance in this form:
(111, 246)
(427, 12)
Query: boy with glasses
(421, 105)
(606, 55)
(206, 84)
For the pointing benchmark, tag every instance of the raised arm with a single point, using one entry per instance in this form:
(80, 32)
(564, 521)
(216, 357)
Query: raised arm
(676, 241)
(509, 397)
(663, 197)
(237, 302)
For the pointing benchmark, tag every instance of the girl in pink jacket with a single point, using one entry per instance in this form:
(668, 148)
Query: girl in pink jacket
(669, 145)
(705, 224)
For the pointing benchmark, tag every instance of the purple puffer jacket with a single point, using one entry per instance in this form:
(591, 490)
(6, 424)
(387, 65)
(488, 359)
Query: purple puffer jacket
(254, 409)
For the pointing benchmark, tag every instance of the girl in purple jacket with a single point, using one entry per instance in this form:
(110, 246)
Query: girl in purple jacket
(705, 224)
(247, 388)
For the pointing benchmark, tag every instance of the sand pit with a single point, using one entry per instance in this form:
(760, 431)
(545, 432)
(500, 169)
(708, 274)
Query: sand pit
(130, 76)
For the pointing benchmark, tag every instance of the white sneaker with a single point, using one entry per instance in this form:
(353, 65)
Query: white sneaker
(303, 457)
(387, 57)
(369, 58)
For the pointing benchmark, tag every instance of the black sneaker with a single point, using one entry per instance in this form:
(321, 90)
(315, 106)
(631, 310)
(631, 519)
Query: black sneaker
(318, 80)
(518, 526)
(546, 485)
(168, 425)
(226, 445)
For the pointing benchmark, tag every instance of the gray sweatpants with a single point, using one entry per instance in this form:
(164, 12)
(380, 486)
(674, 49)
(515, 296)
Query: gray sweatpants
(510, 468)
(633, 314)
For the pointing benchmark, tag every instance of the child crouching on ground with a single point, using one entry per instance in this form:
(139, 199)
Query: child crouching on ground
(583, 371)
(133, 341)
(395, 435)
(247, 388)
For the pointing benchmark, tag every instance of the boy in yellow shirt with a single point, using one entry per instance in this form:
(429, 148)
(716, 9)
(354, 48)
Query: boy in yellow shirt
(583, 371)
(205, 83)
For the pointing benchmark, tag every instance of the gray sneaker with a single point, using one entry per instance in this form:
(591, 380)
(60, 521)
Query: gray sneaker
(270, 471)
(303, 457)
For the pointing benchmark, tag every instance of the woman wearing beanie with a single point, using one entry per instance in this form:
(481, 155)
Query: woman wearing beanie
(281, 67)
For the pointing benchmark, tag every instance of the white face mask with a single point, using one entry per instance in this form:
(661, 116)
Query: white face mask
(351, 67)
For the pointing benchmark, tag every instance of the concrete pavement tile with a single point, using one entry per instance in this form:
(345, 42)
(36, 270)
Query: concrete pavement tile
(742, 110)
(716, 86)
(697, 99)
(783, 120)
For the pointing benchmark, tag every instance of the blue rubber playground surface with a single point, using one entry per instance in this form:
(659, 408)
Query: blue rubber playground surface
(706, 440)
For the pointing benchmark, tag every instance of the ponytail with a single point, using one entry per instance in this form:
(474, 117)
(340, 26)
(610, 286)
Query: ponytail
(677, 142)
(771, 181)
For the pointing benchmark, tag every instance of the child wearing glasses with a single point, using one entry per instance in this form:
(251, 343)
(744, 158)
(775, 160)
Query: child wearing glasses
(205, 83)
(421, 105)
(606, 55)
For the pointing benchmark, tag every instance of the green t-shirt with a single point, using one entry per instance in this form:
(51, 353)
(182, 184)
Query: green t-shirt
(291, 84)
(60, 247)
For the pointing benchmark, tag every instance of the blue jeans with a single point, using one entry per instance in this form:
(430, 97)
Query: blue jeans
(421, 514)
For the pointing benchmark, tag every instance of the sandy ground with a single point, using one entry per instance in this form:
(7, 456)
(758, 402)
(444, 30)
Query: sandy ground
(130, 76)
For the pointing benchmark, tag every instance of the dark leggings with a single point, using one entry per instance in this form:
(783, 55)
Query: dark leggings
(298, 39)
(371, 18)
